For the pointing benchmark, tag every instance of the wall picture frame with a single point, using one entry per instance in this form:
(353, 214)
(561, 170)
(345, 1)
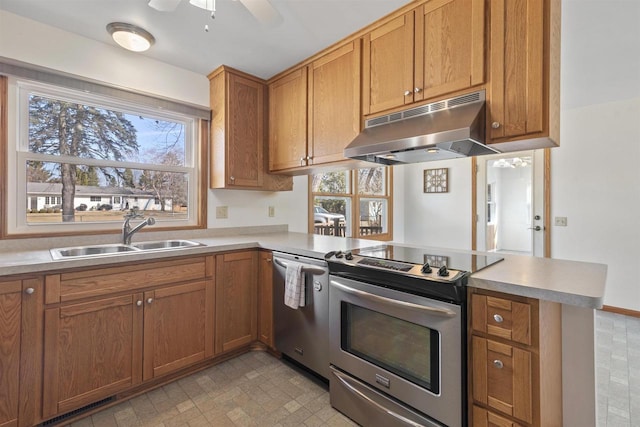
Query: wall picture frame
(436, 180)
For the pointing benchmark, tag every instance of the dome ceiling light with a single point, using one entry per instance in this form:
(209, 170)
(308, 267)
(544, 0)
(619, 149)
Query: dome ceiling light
(130, 36)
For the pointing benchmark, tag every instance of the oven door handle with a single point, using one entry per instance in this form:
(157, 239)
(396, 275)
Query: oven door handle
(306, 268)
(345, 381)
(443, 312)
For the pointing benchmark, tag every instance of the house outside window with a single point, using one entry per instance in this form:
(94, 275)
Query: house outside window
(89, 148)
(355, 203)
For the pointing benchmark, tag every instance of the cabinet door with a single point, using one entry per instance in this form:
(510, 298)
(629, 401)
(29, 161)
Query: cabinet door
(265, 299)
(10, 326)
(92, 350)
(502, 378)
(236, 296)
(387, 72)
(288, 121)
(334, 103)
(178, 327)
(246, 132)
(517, 82)
(449, 48)
(484, 418)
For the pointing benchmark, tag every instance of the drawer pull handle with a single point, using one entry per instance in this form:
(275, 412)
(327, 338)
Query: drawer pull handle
(498, 318)
(498, 364)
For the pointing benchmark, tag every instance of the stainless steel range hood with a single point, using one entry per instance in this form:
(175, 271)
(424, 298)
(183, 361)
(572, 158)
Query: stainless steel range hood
(442, 130)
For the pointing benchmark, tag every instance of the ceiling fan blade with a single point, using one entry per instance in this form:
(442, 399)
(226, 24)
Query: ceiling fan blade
(164, 5)
(263, 11)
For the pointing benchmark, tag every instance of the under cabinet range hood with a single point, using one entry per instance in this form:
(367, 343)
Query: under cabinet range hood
(442, 130)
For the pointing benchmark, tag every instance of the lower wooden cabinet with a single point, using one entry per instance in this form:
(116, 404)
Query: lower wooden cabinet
(236, 300)
(515, 354)
(484, 418)
(265, 299)
(21, 303)
(97, 347)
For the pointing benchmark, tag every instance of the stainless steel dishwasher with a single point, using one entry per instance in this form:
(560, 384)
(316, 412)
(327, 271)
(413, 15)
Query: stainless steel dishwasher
(303, 334)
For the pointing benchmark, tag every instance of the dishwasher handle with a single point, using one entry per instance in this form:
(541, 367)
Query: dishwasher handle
(306, 268)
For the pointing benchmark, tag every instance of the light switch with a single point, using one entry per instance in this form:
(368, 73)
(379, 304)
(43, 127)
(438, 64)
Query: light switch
(222, 212)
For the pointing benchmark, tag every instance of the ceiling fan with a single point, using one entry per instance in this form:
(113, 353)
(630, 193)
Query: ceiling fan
(262, 10)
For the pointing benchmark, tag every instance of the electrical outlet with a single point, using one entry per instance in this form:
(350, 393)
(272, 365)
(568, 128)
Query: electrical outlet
(272, 211)
(222, 212)
(561, 221)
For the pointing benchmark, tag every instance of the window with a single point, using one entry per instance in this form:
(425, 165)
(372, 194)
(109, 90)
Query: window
(89, 149)
(353, 203)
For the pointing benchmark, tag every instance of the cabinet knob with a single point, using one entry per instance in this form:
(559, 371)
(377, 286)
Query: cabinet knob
(301, 161)
(149, 300)
(407, 92)
(268, 260)
(29, 291)
(417, 90)
(495, 125)
(139, 303)
(232, 178)
(498, 318)
(309, 160)
(498, 364)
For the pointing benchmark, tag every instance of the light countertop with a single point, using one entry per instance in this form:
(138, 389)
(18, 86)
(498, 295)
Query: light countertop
(568, 282)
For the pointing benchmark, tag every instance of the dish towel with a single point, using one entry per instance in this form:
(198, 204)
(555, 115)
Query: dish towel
(294, 292)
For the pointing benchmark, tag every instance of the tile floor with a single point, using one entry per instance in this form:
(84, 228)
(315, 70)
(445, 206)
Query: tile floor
(618, 370)
(257, 389)
(254, 389)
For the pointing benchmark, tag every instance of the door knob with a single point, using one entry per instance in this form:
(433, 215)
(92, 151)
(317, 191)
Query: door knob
(537, 228)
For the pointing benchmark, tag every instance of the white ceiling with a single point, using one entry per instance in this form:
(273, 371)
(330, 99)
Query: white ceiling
(235, 37)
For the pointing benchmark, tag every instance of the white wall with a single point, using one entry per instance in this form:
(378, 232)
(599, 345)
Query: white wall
(35, 43)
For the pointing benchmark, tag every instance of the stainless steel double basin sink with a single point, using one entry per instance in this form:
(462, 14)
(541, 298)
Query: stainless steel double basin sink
(118, 248)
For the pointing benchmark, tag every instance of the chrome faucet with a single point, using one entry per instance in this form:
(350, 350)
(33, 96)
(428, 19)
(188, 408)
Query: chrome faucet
(127, 231)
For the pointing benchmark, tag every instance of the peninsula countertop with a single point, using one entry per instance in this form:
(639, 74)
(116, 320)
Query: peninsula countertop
(575, 283)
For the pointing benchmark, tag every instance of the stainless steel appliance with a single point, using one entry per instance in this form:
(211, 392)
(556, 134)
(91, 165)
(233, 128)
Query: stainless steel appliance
(303, 334)
(398, 335)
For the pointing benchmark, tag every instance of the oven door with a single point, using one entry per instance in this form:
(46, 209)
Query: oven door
(407, 346)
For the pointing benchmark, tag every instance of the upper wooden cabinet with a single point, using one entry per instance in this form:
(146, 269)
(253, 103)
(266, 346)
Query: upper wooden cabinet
(21, 304)
(432, 50)
(238, 133)
(314, 110)
(524, 84)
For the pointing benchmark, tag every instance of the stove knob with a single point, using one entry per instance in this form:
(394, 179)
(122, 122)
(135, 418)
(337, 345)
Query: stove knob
(348, 256)
(339, 254)
(426, 268)
(443, 272)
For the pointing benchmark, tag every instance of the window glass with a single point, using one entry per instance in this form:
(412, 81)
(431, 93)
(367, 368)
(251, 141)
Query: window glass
(99, 157)
(332, 216)
(372, 181)
(331, 182)
(373, 216)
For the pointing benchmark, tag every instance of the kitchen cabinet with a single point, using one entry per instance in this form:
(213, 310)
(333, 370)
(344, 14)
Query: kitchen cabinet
(21, 302)
(524, 84)
(107, 330)
(239, 150)
(265, 298)
(236, 315)
(435, 49)
(314, 110)
(511, 340)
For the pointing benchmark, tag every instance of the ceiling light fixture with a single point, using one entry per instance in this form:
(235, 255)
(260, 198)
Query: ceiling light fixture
(130, 36)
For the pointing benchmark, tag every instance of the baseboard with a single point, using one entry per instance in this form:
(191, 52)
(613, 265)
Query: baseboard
(618, 310)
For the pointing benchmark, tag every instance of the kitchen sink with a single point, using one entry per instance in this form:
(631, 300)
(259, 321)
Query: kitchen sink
(115, 249)
(165, 244)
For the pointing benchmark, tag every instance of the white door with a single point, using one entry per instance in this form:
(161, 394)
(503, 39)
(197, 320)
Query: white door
(510, 203)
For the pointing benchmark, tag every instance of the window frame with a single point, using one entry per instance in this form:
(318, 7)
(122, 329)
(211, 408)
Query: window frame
(354, 195)
(14, 151)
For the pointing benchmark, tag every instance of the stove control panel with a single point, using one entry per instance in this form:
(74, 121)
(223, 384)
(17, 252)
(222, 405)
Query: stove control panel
(424, 271)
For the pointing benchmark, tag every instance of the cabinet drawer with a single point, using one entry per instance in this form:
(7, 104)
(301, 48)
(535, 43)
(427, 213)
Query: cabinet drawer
(502, 378)
(484, 418)
(502, 318)
(96, 282)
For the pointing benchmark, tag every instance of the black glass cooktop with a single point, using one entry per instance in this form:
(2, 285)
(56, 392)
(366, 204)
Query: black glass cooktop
(436, 257)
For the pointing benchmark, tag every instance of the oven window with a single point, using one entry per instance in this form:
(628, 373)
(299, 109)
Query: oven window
(406, 349)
